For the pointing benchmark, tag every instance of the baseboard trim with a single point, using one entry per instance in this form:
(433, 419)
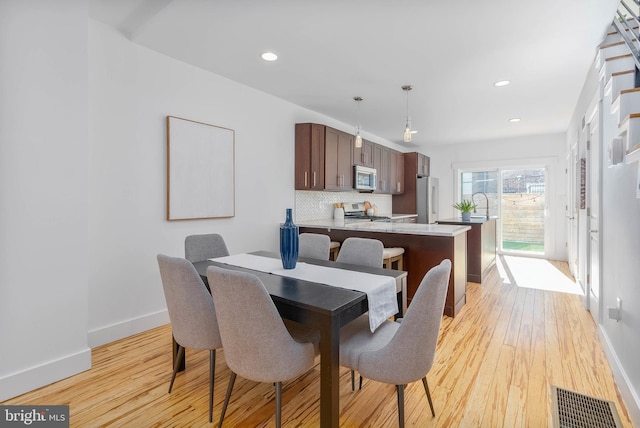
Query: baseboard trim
(629, 395)
(113, 332)
(49, 372)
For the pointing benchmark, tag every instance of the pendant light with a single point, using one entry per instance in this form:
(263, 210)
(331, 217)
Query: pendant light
(406, 136)
(358, 142)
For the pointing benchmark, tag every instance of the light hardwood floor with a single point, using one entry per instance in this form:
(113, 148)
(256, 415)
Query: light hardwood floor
(495, 364)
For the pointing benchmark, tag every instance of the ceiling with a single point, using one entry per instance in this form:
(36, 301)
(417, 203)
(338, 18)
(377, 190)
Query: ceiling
(332, 50)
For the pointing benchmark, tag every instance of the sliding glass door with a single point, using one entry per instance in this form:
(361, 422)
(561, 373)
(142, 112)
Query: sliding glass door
(523, 210)
(517, 197)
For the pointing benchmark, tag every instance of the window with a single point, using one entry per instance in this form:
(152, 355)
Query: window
(517, 198)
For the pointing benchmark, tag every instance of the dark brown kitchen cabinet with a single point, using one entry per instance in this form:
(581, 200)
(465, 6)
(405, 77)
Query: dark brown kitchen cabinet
(363, 156)
(338, 160)
(309, 157)
(381, 164)
(325, 157)
(396, 172)
(481, 246)
(389, 165)
(423, 164)
(414, 164)
(421, 253)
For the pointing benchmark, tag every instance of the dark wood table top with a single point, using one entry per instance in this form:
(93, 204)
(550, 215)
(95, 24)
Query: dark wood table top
(311, 296)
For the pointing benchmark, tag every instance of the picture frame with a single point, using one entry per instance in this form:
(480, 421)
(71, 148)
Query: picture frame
(200, 170)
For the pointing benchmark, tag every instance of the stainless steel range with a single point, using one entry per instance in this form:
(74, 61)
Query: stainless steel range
(356, 211)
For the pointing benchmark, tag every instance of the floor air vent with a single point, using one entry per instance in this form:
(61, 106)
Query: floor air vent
(574, 410)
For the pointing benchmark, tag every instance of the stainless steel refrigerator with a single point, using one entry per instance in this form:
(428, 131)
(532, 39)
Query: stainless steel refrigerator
(427, 195)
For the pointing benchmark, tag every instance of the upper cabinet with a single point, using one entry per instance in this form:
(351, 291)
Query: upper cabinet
(397, 172)
(323, 158)
(363, 156)
(381, 164)
(390, 167)
(415, 164)
(338, 160)
(423, 164)
(309, 168)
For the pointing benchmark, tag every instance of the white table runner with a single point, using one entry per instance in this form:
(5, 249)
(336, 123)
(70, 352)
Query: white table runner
(380, 289)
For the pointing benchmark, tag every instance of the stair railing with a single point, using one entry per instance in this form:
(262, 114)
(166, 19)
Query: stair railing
(624, 28)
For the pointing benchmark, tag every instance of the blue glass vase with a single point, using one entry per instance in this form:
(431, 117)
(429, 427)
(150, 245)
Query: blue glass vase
(289, 242)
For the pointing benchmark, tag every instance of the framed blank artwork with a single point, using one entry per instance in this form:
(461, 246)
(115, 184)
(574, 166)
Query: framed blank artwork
(200, 170)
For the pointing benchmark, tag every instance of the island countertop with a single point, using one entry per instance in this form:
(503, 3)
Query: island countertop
(425, 246)
(473, 220)
(386, 227)
(396, 216)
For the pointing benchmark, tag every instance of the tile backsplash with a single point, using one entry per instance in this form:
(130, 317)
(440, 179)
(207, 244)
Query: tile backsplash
(314, 205)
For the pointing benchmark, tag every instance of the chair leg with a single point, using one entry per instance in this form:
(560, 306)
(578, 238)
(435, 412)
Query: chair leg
(278, 403)
(212, 374)
(426, 388)
(232, 379)
(400, 389)
(179, 359)
(353, 382)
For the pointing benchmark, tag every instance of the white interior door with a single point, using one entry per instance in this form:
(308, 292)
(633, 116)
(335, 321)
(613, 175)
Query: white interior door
(573, 182)
(593, 218)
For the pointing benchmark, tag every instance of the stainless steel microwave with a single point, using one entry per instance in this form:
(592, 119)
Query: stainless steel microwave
(364, 178)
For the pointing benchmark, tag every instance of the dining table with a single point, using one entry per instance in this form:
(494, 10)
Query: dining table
(320, 306)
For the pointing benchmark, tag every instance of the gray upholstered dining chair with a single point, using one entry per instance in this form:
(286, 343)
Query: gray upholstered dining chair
(314, 245)
(198, 248)
(400, 353)
(192, 314)
(257, 345)
(364, 252)
(361, 251)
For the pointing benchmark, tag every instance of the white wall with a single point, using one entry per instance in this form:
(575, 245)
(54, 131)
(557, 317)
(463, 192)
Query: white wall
(619, 234)
(131, 91)
(43, 193)
(548, 150)
(83, 182)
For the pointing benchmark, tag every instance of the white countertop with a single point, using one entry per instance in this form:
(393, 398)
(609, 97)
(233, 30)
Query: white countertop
(387, 227)
(395, 216)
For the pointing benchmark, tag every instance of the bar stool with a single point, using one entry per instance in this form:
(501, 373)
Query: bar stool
(334, 247)
(392, 255)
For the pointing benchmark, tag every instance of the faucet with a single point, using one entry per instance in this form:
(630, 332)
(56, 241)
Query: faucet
(474, 202)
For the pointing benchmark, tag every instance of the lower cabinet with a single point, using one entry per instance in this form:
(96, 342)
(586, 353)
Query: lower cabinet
(481, 246)
(421, 253)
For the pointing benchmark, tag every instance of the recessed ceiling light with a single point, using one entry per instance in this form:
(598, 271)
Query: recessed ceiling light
(502, 83)
(514, 119)
(269, 56)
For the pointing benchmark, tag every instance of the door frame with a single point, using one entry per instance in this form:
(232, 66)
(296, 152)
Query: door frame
(593, 215)
(508, 164)
(571, 211)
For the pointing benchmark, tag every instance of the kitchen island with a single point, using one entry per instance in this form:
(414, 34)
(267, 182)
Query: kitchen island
(481, 245)
(425, 246)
